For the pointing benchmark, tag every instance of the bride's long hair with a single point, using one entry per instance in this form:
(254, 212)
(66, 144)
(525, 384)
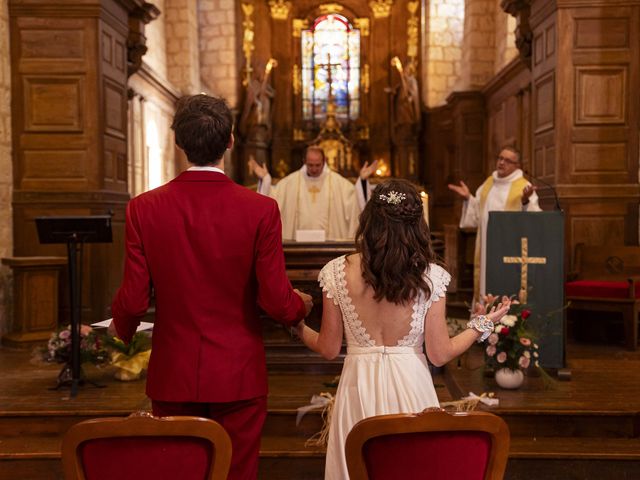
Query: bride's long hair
(394, 243)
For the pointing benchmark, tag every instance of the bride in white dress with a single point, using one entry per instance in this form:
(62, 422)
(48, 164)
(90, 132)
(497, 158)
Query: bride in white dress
(388, 299)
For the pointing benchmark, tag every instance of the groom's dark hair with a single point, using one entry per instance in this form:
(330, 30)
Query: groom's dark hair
(202, 125)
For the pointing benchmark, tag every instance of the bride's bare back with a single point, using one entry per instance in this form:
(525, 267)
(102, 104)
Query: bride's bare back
(385, 322)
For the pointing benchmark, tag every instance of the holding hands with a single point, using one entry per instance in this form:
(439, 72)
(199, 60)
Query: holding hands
(307, 299)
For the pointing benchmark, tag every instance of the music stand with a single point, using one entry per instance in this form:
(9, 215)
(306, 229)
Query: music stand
(75, 231)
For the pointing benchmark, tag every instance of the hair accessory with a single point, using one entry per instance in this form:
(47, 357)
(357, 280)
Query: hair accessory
(483, 325)
(393, 198)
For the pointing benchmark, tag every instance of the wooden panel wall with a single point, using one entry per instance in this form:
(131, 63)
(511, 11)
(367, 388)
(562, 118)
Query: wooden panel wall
(455, 143)
(574, 115)
(586, 60)
(69, 75)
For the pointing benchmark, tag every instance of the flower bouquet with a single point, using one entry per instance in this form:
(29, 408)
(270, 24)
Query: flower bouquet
(58, 349)
(511, 346)
(129, 360)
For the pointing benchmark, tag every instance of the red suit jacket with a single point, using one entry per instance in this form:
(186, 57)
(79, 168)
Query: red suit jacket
(213, 252)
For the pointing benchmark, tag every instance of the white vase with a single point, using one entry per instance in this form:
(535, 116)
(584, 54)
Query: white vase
(507, 378)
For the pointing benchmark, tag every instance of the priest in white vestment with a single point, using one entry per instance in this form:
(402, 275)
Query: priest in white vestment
(505, 190)
(317, 198)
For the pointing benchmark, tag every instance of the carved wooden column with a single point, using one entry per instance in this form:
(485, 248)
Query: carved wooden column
(521, 10)
(70, 62)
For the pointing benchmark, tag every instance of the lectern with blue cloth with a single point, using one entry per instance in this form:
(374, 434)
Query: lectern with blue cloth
(75, 231)
(525, 253)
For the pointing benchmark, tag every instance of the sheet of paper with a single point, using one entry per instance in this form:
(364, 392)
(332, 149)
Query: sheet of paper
(141, 327)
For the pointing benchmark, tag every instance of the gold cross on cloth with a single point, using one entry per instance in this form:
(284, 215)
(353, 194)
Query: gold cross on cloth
(313, 190)
(524, 260)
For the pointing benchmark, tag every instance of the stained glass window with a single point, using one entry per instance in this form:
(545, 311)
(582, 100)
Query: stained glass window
(331, 50)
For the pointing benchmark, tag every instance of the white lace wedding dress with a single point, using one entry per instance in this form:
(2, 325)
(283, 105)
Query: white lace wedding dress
(377, 380)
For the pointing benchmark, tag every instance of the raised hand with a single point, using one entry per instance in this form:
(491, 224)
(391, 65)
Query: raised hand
(527, 192)
(368, 169)
(258, 170)
(461, 189)
(499, 311)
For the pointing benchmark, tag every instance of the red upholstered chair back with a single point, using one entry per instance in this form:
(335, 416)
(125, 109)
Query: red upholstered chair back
(145, 447)
(433, 445)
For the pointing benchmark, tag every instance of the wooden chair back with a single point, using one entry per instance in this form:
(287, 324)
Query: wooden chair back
(145, 447)
(430, 445)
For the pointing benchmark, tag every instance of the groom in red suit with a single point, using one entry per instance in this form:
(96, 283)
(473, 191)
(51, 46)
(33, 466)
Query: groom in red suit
(212, 251)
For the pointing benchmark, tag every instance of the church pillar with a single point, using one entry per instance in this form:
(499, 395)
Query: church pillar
(70, 63)
(183, 54)
(585, 117)
(478, 44)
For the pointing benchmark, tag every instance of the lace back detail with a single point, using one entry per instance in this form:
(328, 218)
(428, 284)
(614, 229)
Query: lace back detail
(353, 326)
(438, 279)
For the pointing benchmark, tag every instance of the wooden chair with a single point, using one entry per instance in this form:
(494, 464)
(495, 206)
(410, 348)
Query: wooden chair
(430, 445)
(607, 279)
(145, 447)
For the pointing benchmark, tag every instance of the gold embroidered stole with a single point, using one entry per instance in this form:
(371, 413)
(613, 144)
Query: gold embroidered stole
(514, 198)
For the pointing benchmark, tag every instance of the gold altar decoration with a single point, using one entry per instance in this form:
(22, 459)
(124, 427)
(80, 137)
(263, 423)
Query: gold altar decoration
(247, 41)
(524, 259)
(381, 8)
(327, 8)
(279, 9)
(365, 79)
(296, 79)
(282, 169)
(363, 132)
(362, 24)
(298, 135)
(413, 29)
(299, 24)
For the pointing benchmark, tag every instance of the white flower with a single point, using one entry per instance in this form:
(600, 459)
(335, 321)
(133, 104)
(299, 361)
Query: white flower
(493, 339)
(535, 345)
(527, 354)
(509, 320)
(536, 363)
(535, 354)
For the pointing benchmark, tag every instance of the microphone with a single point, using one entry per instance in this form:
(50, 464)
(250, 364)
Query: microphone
(547, 185)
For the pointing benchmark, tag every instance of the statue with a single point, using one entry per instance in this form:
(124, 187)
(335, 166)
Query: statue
(255, 121)
(406, 104)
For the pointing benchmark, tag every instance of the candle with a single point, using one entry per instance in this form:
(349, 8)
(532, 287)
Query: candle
(425, 205)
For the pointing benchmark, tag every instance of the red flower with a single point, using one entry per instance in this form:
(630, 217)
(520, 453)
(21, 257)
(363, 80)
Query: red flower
(525, 314)
(504, 331)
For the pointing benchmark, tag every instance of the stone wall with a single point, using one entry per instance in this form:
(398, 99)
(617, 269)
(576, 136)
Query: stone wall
(156, 33)
(6, 166)
(444, 50)
(218, 57)
(183, 57)
(505, 41)
(478, 45)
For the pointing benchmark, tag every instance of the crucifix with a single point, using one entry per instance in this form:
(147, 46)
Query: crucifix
(313, 191)
(329, 66)
(524, 259)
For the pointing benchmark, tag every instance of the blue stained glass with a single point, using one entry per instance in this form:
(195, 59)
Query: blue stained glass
(331, 49)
